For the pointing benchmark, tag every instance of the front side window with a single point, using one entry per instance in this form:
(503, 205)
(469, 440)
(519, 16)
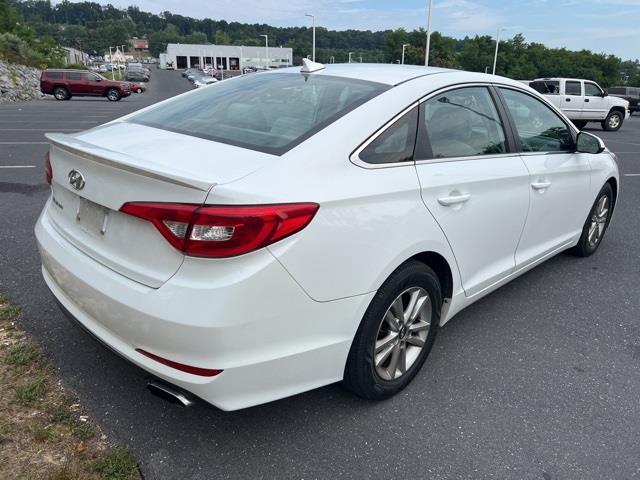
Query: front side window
(267, 112)
(462, 123)
(395, 144)
(91, 77)
(573, 88)
(539, 128)
(592, 90)
(74, 76)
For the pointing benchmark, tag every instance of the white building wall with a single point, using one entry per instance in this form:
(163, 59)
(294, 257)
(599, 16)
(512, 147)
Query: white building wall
(227, 55)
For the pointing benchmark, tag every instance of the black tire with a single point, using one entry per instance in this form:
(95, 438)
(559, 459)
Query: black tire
(613, 122)
(361, 375)
(61, 93)
(587, 246)
(113, 95)
(579, 124)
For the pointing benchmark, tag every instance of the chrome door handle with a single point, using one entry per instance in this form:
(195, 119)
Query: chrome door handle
(454, 199)
(540, 185)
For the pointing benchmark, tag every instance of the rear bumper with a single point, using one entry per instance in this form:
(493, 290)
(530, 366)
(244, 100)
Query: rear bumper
(246, 316)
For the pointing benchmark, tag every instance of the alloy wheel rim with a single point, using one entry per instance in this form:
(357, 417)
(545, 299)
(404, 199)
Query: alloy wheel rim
(614, 121)
(59, 94)
(402, 333)
(598, 221)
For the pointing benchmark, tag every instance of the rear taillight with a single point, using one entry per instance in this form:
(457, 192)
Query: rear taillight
(223, 231)
(48, 171)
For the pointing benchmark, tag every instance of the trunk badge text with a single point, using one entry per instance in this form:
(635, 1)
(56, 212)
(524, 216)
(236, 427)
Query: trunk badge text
(76, 179)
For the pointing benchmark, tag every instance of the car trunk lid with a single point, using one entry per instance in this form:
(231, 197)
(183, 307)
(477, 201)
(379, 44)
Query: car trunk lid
(96, 172)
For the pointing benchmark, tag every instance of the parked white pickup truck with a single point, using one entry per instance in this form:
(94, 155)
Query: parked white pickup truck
(583, 101)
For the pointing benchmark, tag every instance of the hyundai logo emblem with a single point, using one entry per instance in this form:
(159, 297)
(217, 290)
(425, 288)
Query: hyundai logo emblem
(76, 179)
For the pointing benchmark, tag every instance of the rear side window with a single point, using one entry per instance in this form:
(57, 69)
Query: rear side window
(54, 75)
(546, 87)
(539, 128)
(395, 144)
(74, 75)
(267, 112)
(573, 88)
(461, 123)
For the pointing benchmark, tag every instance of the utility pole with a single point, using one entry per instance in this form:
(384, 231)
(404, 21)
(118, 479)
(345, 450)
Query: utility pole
(495, 57)
(313, 53)
(350, 53)
(266, 45)
(404, 45)
(426, 53)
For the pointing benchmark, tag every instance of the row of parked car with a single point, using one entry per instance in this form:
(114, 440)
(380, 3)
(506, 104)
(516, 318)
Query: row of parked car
(200, 78)
(584, 101)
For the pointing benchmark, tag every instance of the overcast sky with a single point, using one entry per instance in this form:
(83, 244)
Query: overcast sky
(609, 26)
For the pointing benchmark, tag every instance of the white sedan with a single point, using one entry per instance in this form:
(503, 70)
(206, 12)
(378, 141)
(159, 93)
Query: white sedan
(277, 232)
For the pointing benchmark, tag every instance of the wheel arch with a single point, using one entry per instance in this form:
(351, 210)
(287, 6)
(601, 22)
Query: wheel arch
(614, 186)
(441, 267)
(618, 108)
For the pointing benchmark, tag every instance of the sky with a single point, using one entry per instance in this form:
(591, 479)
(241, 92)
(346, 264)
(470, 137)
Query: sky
(609, 26)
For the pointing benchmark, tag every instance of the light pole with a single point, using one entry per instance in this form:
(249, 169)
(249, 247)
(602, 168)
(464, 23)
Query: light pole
(403, 47)
(113, 75)
(495, 57)
(426, 53)
(332, 59)
(266, 44)
(313, 53)
(350, 53)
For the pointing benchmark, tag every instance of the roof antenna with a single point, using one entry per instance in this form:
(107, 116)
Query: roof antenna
(309, 66)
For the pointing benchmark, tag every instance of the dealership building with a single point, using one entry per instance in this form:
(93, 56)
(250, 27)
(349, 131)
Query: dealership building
(226, 57)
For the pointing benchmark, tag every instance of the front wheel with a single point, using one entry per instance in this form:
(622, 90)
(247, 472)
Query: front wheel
(113, 95)
(613, 122)
(396, 333)
(596, 224)
(61, 93)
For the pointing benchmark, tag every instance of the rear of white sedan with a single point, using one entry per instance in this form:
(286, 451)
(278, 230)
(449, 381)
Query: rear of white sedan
(273, 233)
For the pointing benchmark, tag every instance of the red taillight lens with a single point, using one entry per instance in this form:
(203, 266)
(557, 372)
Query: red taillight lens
(203, 372)
(48, 171)
(223, 231)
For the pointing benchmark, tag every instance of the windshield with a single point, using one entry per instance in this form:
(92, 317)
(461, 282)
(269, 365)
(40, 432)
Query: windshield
(270, 113)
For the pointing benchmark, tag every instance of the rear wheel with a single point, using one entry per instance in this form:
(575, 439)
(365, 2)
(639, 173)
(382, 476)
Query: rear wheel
(613, 121)
(396, 333)
(596, 224)
(61, 93)
(113, 95)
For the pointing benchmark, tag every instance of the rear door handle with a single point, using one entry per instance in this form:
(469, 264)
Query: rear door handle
(567, 99)
(454, 199)
(586, 100)
(540, 185)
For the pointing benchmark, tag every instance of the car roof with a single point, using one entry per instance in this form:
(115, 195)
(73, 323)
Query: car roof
(392, 74)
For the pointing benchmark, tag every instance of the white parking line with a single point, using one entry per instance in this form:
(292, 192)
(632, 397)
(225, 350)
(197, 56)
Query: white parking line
(17, 166)
(38, 129)
(631, 174)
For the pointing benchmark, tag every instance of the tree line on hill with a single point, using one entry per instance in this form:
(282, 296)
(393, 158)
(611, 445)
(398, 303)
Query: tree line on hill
(93, 28)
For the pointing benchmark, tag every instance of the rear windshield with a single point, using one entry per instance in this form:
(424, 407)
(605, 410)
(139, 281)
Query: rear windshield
(267, 112)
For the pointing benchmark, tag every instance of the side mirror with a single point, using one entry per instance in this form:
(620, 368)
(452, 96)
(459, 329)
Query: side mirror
(98, 79)
(588, 143)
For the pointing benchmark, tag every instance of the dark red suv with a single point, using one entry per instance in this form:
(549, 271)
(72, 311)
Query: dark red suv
(64, 84)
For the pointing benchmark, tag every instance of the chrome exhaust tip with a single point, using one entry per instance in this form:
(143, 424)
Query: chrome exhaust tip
(169, 393)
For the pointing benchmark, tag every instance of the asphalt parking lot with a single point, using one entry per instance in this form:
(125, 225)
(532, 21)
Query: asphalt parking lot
(541, 379)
